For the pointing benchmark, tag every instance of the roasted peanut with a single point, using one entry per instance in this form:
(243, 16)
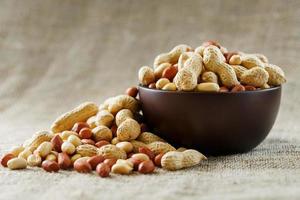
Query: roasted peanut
(146, 167)
(6, 158)
(122, 115)
(81, 165)
(64, 161)
(102, 133)
(104, 118)
(34, 160)
(175, 160)
(146, 75)
(128, 130)
(132, 91)
(80, 113)
(95, 160)
(103, 170)
(17, 163)
(68, 148)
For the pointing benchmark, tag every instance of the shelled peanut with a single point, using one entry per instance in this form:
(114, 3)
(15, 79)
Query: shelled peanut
(210, 68)
(117, 141)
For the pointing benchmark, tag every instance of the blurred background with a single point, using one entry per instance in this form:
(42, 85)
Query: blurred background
(56, 54)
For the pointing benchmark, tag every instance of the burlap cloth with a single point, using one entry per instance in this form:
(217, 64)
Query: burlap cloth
(57, 54)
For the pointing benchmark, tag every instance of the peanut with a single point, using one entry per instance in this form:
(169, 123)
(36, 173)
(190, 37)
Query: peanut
(146, 167)
(75, 157)
(132, 91)
(44, 149)
(51, 157)
(95, 160)
(207, 87)
(85, 133)
(123, 102)
(157, 159)
(146, 75)
(104, 118)
(249, 61)
(276, 75)
(239, 70)
(147, 151)
(34, 160)
(128, 130)
(191, 61)
(79, 125)
(57, 142)
(175, 160)
(255, 76)
(160, 69)
(17, 163)
(101, 143)
(172, 56)
(111, 151)
(68, 148)
(147, 138)
(64, 161)
(185, 80)
(238, 88)
(82, 166)
(170, 87)
(6, 158)
(209, 77)
(136, 145)
(80, 113)
(74, 140)
(126, 146)
(140, 156)
(50, 166)
(235, 60)
(115, 141)
(103, 170)
(214, 61)
(169, 73)
(122, 115)
(122, 167)
(199, 50)
(102, 133)
(161, 83)
(65, 134)
(110, 161)
(88, 141)
(91, 122)
(152, 86)
(87, 150)
(160, 147)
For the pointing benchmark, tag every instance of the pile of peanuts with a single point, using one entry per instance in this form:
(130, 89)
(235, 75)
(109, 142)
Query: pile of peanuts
(210, 68)
(110, 138)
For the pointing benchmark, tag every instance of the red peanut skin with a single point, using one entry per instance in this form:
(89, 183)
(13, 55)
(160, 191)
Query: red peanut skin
(95, 160)
(82, 166)
(79, 125)
(57, 142)
(103, 170)
(146, 167)
(50, 166)
(64, 161)
(6, 158)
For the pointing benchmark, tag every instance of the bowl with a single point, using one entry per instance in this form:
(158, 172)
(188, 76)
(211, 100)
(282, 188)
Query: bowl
(213, 123)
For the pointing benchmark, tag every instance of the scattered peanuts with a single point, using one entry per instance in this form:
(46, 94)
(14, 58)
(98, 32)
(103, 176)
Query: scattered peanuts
(114, 138)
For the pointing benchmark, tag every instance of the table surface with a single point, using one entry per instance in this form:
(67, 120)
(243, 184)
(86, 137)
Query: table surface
(57, 54)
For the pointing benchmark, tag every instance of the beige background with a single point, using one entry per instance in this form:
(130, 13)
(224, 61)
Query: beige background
(57, 54)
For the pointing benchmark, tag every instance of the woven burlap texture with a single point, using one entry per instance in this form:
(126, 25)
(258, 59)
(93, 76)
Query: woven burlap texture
(56, 54)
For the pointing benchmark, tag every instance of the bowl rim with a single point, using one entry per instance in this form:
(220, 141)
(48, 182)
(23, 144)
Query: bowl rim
(211, 93)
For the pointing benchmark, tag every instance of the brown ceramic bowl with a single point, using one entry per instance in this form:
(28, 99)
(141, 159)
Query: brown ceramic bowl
(214, 123)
